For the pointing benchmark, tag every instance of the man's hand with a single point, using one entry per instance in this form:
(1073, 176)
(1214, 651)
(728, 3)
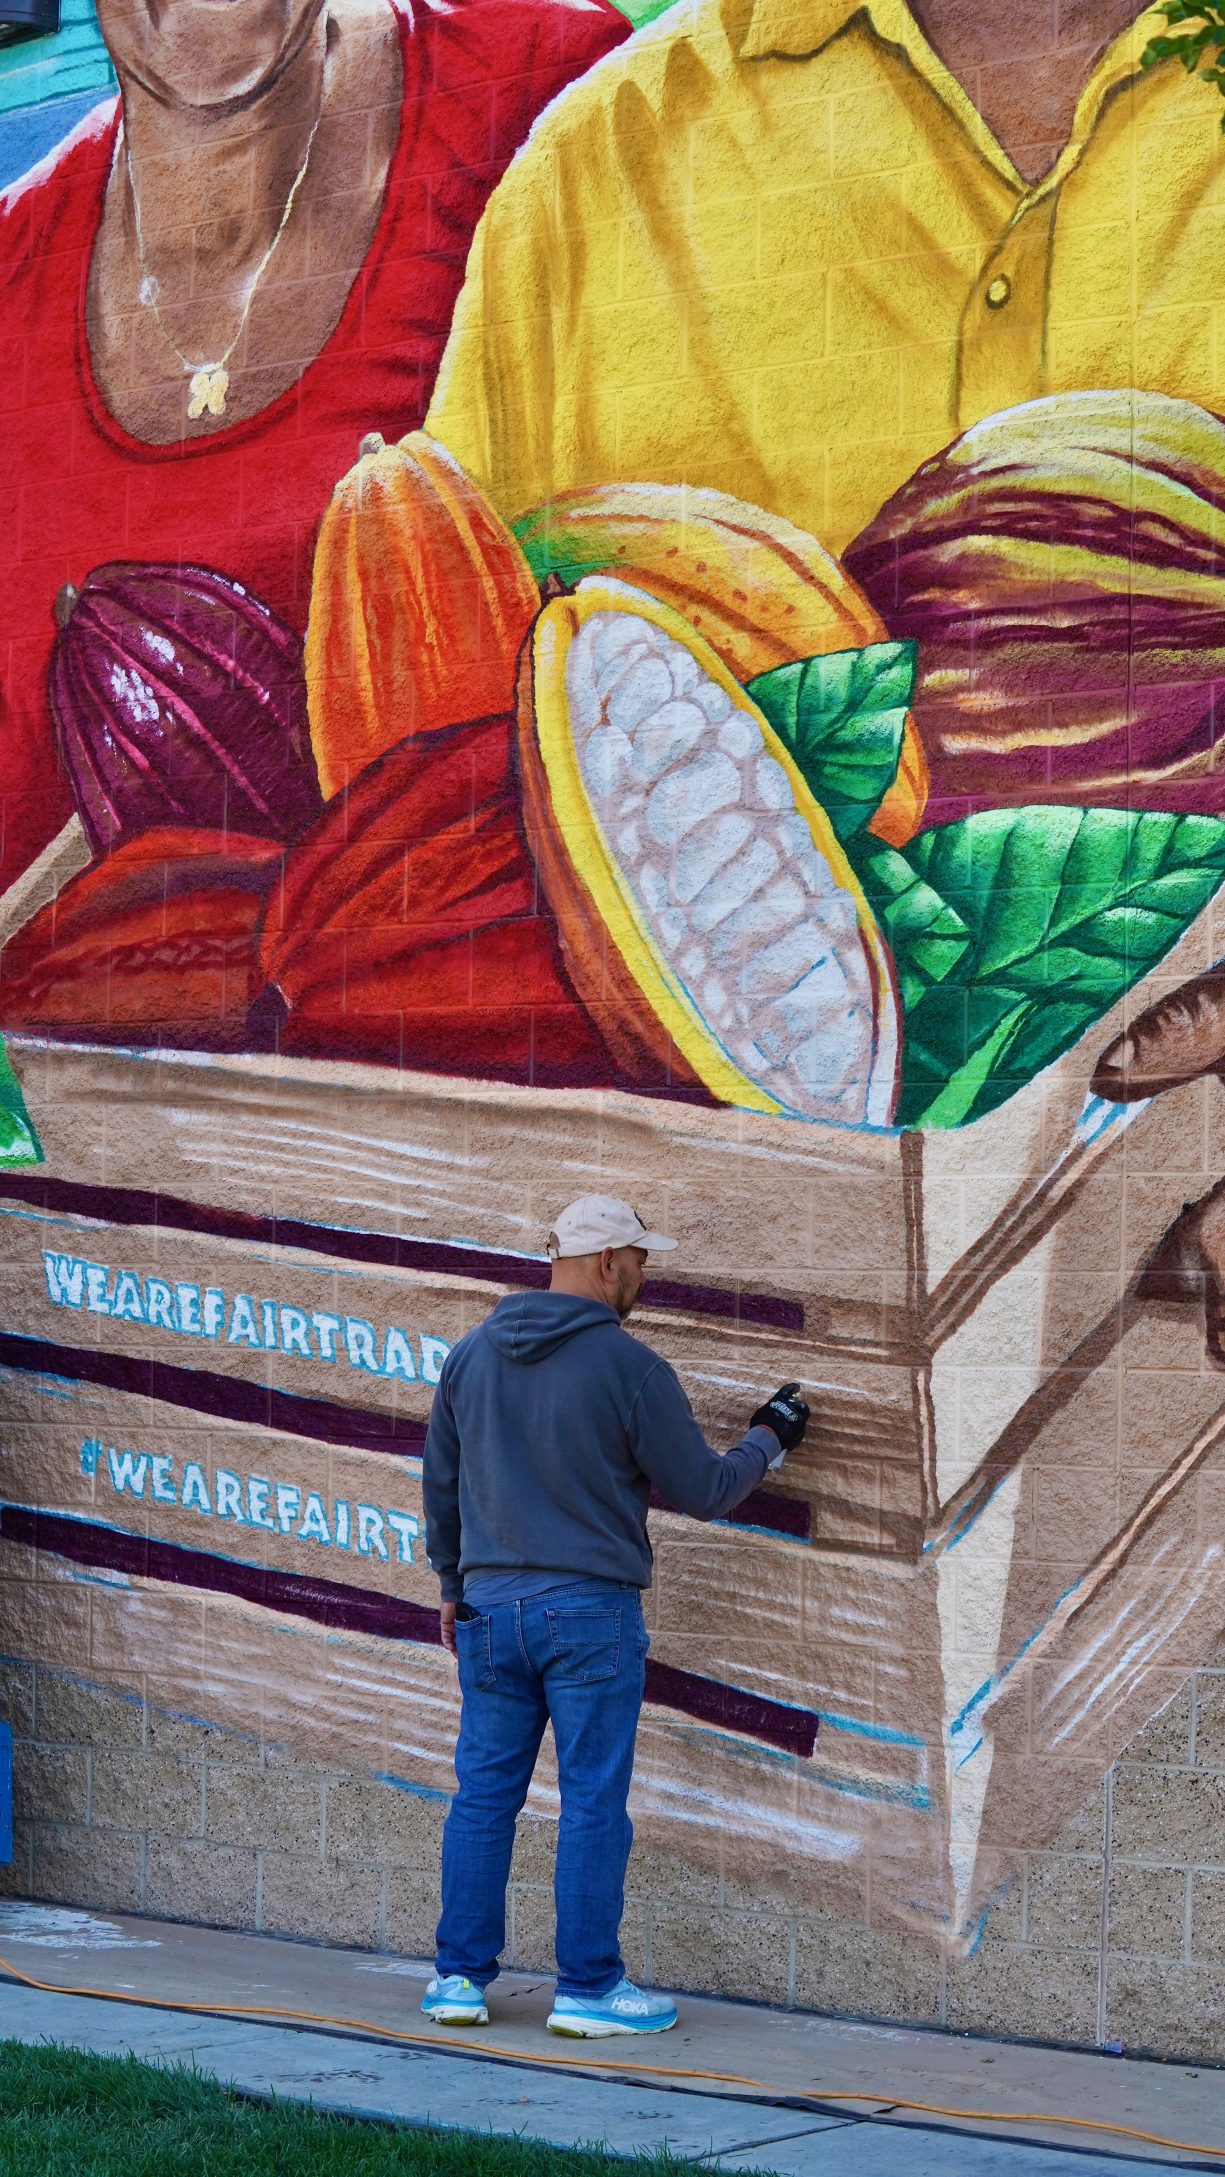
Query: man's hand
(446, 1621)
(785, 1413)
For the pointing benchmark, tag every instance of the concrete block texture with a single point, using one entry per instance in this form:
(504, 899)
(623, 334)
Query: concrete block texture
(189, 1879)
(325, 1901)
(1129, 1900)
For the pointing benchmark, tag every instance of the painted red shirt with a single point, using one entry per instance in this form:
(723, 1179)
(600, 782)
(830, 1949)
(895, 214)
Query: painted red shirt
(76, 490)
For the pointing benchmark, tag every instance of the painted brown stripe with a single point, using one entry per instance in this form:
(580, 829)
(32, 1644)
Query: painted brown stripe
(334, 1604)
(227, 1398)
(726, 1708)
(791, 1516)
(137, 1206)
(320, 1420)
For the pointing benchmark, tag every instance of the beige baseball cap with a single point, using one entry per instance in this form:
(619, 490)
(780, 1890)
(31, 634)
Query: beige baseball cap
(597, 1221)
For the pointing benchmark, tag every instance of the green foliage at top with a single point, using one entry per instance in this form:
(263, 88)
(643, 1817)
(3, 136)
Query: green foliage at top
(67, 2115)
(1011, 931)
(1200, 48)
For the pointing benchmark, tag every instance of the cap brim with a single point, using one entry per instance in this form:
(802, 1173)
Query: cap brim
(656, 1243)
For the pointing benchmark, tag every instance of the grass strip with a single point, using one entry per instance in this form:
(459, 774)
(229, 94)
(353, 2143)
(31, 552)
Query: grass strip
(64, 2114)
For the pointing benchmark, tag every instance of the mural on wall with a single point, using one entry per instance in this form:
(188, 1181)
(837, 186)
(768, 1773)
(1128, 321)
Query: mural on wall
(741, 729)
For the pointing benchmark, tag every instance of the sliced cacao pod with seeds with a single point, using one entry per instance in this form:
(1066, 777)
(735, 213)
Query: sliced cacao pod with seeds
(179, 699)
(699, 888)
(1062, 569)
(760, 591)
(153, 945)
(420, 600)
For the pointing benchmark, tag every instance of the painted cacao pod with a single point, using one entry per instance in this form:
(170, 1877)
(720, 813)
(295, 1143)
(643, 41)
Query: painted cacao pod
(760, 591)
(179, 699)
(1061, 568)
(153, 945)
(410, 930)
(420, 601)
(702, 896)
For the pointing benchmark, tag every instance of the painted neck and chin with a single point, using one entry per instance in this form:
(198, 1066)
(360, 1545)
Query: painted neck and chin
(200, 64)
(615, 1276)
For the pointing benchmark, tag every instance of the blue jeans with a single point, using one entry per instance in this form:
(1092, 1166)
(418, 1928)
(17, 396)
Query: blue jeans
(575, 1658)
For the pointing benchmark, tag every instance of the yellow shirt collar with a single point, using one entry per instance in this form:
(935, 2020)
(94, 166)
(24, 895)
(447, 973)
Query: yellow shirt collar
(798, 29)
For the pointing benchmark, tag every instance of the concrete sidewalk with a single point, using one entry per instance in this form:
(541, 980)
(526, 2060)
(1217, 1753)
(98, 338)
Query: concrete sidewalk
(447, 2080)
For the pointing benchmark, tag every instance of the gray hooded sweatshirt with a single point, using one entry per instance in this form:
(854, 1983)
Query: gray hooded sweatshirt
(549, 1426)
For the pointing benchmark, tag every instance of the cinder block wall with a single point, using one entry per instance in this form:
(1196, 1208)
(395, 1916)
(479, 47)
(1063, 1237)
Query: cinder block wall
(1117, 1933)
(1110, 1933)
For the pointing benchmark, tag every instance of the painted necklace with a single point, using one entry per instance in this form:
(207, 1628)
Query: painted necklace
(209, 382)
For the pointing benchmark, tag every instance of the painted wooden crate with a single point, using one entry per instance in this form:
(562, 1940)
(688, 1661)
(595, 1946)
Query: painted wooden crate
(229, 1289)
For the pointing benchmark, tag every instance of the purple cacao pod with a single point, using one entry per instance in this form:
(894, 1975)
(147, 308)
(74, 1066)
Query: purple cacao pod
(1062, 569)
(179, 698)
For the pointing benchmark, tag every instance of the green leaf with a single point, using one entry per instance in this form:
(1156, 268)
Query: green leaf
(956, 1101)
(19, 1144)
(1063, 910)
(842, 717)
(925, 935)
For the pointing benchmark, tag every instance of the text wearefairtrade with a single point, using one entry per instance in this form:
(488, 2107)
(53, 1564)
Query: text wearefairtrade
(267, 1326)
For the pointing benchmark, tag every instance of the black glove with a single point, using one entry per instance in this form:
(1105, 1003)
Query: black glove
(785, 1413)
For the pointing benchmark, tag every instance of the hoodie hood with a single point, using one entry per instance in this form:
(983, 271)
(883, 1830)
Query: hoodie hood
(529, 1326)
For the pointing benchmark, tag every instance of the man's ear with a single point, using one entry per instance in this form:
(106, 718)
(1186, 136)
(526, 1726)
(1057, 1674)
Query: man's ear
(607, 1271)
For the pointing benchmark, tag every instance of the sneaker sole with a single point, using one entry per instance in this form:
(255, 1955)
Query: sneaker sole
(457, 2018)
(574, 2029)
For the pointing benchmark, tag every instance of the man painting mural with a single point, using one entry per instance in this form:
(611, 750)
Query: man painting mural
(549, 1427)
(790, 248)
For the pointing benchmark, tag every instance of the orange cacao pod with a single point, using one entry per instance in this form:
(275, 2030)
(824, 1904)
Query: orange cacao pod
(420, 601)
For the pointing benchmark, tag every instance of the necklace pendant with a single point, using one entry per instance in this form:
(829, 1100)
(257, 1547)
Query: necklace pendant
(207, 391)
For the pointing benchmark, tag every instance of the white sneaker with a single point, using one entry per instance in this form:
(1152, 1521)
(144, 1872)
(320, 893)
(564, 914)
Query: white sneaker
(625, 2009)
(453, 2001)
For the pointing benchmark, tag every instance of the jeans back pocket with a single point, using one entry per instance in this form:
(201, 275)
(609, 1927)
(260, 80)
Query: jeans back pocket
(586, 1643)
(474, 1653)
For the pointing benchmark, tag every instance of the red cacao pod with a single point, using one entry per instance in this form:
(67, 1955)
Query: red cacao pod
(155, 944)
(1062, 569)
(410, 929)
(180, 698)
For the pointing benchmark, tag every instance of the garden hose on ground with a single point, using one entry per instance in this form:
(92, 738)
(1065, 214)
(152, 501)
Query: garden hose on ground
(369, 2030)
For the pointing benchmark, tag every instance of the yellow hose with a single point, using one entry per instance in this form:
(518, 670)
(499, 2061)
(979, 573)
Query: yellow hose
(583, 2063)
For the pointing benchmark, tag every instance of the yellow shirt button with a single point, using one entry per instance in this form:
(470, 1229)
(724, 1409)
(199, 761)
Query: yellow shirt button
(999, 291)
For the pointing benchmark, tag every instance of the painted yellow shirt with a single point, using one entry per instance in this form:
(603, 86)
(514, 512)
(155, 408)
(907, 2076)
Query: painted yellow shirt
(771, 246)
